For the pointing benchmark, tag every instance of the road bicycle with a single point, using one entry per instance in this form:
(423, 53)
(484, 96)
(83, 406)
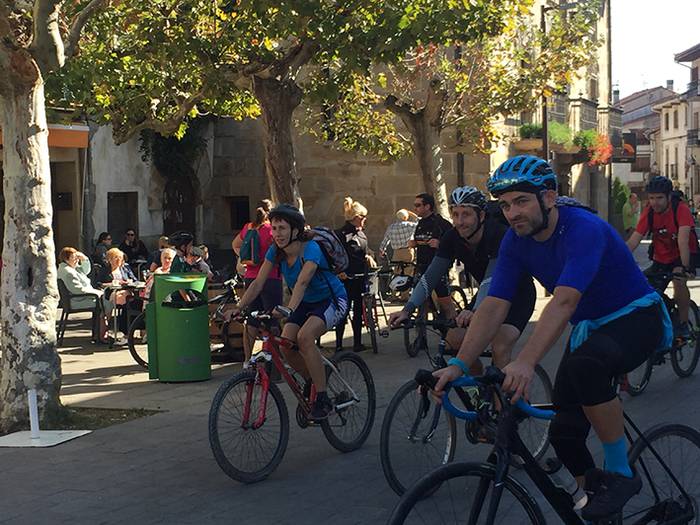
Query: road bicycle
(220, 339)
(683, 354)
(249, 420)
(372, 302)
(417, 435)
(666, 457)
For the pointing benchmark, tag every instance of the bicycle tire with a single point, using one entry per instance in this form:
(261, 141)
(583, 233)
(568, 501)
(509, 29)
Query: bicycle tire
(537, 441)
(459, 297)
(414, 502)
(394, 458)
(638, 379)
(368, 305)
(414, 344)
(136, 344)
(218, 411)
(339, 420)
(679, 448)
(688, 354)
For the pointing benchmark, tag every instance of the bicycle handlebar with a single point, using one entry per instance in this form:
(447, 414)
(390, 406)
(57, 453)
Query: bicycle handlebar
(492, 376)
(437, 324)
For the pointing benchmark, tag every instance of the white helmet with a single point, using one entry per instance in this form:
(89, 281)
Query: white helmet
(468, 196)
(400, 283)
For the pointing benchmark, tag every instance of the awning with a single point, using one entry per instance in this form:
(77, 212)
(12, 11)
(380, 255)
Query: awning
(61, 136)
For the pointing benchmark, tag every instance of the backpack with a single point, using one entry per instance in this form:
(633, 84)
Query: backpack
(493, 209)
(250, 249)
(332, 249)
(675, 201)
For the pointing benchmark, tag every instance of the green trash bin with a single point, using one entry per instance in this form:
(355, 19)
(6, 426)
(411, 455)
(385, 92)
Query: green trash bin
(177, 323)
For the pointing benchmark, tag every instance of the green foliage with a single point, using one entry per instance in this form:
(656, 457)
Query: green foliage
(559, 133)
(586, 138)
(530, 131)
(174, 156)
(620, 195)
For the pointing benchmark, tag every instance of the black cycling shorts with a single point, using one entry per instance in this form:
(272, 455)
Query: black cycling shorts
(522, 306)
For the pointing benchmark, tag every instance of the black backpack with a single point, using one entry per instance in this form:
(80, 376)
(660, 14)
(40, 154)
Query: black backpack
(494, 211)
(675, 202)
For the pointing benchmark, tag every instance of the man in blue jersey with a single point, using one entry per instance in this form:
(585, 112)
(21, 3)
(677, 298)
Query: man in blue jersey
(618, 321)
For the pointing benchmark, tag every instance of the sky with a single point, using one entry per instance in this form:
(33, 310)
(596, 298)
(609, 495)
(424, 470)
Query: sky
(646, 34)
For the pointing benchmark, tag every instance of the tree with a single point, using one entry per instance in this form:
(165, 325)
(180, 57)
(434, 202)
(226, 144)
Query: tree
(458, 84)
(152, 64)
(37, 39)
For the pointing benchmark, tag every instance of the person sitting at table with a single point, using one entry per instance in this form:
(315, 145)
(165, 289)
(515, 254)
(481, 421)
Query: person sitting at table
(134, 249)
(196, 261)
(154, 259)
(166, 260)
(117, 272)
(104, 243)
(73, 271)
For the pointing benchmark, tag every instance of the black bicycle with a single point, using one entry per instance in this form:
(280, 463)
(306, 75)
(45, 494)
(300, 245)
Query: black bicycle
(685, 351)
(667, 458)
(137, 334)
(418, 436)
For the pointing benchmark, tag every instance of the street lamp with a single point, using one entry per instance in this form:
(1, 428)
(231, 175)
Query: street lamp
(543, 27)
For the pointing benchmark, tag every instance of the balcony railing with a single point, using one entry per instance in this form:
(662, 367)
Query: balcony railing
(694, 137)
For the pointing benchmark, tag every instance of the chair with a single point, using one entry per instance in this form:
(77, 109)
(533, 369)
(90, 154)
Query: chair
(64, 303)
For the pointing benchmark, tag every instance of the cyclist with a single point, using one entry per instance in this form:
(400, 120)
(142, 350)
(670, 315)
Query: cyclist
(474, 241)
(318, 298)
(673, 245)
(426, 239)
(596, 285)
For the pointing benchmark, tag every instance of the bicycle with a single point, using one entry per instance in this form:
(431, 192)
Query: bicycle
(684, 353)
(416, 438)
(137, 334)
(371, 302)
(248, 434)
(487, 493)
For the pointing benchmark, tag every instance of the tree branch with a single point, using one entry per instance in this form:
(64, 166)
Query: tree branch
(79, 21)
(435, 102)
(47, 47)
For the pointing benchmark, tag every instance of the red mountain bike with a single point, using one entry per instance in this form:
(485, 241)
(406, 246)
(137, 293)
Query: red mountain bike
(249, 421)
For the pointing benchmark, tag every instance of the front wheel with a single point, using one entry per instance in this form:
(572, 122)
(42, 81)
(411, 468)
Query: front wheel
(370, 320)
(137, 341)
(461, 493)
(351, 390)
(417, 436)
(248, 428)
(668, 463)
(684, 358)
(415, 339)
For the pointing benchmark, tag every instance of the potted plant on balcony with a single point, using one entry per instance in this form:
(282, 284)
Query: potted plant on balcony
(530, 138)
(561, 138)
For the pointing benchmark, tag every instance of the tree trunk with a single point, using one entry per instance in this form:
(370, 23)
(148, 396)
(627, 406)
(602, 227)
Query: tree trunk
(278, 100)
(28, 294)
(427, 148)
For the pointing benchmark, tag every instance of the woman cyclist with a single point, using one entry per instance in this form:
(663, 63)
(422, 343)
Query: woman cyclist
(318, 299)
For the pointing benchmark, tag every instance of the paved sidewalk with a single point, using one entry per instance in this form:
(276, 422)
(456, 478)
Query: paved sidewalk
(159, 469)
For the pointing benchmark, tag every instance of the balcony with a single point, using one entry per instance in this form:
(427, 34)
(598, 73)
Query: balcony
(693, 89)
(584, 114)
(694, 137)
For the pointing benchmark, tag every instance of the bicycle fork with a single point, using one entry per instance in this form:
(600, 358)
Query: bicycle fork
(264, 381)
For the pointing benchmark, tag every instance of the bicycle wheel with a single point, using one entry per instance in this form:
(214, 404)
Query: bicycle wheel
(409, 446)
(678, 446)
(370, 320)
(459, 298)
(349, 425)
(684, 358)
(638, 379)
(535, 432)
(137, 341)
(460, 494)
(415, 339)
(244, 453)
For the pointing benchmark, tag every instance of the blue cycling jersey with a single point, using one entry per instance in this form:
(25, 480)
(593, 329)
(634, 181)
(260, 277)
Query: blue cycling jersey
(584, 253)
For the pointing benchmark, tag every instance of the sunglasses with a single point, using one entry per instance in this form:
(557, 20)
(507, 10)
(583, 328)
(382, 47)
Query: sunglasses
(131, 235)
(417, 204)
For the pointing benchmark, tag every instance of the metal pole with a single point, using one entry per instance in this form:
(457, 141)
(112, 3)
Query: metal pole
(545, 130)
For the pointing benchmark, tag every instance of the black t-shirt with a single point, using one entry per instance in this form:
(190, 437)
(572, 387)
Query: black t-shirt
(431, 227)
(355, 242)
(454, 247)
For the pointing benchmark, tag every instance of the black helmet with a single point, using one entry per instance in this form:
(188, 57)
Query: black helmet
(289, 213)
(660, 184)
(180, 238)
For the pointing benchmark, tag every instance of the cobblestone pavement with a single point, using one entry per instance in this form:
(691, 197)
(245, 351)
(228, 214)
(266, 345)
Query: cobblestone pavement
(159, 469)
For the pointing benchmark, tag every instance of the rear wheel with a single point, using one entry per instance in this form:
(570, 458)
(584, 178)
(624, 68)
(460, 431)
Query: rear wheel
(137, 340)
(678, 447)
(351, 390)
(370, 320)
(244, 452)
(684, 358)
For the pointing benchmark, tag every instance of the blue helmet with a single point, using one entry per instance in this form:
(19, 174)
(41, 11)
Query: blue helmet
(522, 173)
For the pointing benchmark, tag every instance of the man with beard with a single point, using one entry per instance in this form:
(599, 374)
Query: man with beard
(474, 241)
(596, 285)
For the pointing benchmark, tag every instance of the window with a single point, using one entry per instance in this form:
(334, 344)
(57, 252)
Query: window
(666, 121)
(675, 119)
(239, 211)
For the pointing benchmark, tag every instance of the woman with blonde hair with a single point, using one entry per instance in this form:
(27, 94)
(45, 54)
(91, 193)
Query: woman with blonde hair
(355, 241)
(116, 270)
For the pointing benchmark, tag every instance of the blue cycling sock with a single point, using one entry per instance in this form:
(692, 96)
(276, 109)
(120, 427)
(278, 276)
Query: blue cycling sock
(616, 457)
